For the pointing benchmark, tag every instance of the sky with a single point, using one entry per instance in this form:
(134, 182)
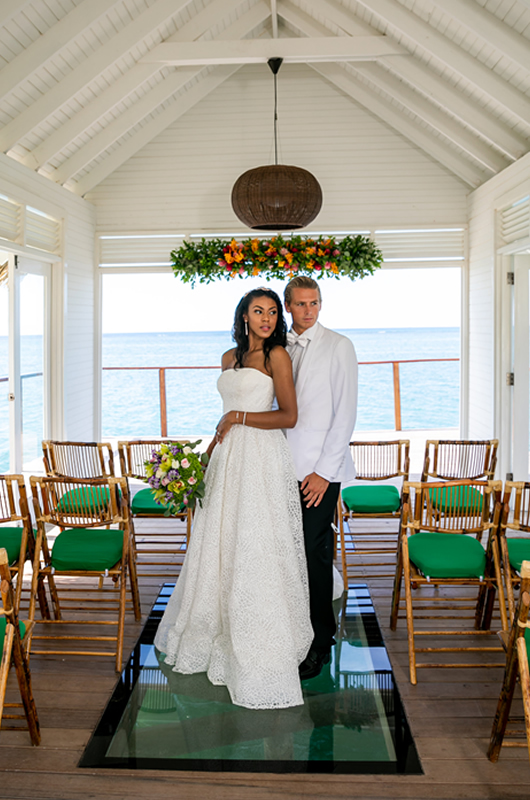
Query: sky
(391, 298)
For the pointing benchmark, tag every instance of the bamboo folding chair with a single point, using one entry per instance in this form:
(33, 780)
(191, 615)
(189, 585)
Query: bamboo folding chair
(16, 532)
(373, 496)
(448, 540)
(458, 459)
(160, 548)
(517, 658)
(15, 636)
(78, 459)
(94, 540)
(514, 548)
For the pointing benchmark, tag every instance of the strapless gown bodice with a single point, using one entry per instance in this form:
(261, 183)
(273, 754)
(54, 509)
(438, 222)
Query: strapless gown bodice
(240, 609)
(245, 389)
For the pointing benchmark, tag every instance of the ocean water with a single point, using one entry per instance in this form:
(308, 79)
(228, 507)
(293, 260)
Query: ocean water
(130, 398)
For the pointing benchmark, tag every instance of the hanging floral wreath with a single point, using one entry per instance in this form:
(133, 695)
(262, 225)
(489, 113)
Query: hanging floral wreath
(275, 257)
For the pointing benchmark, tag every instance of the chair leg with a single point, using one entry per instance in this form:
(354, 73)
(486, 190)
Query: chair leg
(507, 576)
(503, 707)
(410, 617)
(524, 675)
(24, 682)
(133, 578)
(121, 618)
(500, 587)
(396, 592)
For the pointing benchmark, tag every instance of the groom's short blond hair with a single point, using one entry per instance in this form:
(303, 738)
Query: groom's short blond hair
(300, 282)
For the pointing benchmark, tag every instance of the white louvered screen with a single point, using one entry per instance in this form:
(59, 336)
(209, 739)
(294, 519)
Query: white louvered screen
(137, 251)
(10, 219)
(515, 221)
(433, 245)
(442, 244)
(42, 232)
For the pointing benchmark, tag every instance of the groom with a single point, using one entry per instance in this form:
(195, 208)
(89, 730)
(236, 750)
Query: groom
(325, 376)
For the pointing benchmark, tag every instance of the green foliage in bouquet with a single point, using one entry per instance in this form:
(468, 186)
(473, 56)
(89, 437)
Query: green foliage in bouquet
(175, 474)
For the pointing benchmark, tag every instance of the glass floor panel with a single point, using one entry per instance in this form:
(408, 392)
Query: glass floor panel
(352, 720)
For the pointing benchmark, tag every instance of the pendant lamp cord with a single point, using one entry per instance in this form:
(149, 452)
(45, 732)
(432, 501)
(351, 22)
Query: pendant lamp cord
(275, 119)
(274, 66)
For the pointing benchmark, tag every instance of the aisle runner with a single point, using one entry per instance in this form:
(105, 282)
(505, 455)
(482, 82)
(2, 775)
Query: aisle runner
(352, 720)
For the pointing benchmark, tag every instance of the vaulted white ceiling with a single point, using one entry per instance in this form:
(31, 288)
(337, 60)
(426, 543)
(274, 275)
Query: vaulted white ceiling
(85, 84)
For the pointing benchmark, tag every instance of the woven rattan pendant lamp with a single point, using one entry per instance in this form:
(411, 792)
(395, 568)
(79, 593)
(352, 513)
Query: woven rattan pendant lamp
(277, 197)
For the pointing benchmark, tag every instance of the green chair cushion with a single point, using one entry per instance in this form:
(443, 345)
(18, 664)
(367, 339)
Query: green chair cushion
(144, 502)
(518, 551)
(446, 555)
(87, 549)
(84, 500)
(456, 499)
(381, 499)
(21, 627)
(11, 538)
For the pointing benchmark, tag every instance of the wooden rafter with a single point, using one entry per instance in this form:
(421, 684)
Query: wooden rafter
(151, 129)
(52, 42)
(118, 46)
(418, 75)
(436, 148)
(137, 75)
(488, 160)
(150, 101)
(450, 54)
(490, 28)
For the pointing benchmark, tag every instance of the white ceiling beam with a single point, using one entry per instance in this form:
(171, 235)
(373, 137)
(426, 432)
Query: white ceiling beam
(59, 36)
(274, 19)
(462, 106)
(138, 74)
(463, 138)
(437, 149)
(9, 8)
(434, 43)
(446, 125)
(149, 131)
(434, 87)
(88, 70)
(150, 101)
(258, 51)
(490, 28)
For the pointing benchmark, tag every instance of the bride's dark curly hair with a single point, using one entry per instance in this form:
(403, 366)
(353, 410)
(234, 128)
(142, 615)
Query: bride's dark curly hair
(278, 336)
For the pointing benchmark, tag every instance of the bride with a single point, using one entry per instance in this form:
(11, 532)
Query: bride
(240, 609)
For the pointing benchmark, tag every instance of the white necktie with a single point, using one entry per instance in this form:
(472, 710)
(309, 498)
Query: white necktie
(296, 353)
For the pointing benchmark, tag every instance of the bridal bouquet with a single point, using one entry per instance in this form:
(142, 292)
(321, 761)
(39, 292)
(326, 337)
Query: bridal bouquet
(175, 474)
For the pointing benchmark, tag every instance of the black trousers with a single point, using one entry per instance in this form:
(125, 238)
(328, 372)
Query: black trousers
(319, 540)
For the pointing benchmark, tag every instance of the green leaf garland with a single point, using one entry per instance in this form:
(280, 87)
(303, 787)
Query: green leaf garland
(276, 257)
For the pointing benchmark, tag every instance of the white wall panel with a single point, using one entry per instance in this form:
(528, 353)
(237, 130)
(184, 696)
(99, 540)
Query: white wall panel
(72, 367)
(489, 311)
(371, 177)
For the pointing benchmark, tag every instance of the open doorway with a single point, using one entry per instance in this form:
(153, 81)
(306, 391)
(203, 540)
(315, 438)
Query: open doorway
(24, 343)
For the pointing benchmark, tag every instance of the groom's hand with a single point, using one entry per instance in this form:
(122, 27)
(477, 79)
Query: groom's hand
(313, 489)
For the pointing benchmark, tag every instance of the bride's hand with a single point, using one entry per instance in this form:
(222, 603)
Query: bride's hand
(224, 425)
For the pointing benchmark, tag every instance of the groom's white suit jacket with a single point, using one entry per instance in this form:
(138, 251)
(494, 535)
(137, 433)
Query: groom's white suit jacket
(326, 392)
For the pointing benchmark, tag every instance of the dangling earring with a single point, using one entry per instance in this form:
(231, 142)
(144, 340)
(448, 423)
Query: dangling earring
(246, 328)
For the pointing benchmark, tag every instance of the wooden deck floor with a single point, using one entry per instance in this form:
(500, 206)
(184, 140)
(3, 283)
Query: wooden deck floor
(450, 713)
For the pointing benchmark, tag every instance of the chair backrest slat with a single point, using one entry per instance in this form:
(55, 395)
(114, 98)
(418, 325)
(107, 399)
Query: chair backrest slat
(459, 459)
(377, 461)
(78, 459)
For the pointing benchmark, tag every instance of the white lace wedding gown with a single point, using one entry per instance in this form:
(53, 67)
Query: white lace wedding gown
(240, 609)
